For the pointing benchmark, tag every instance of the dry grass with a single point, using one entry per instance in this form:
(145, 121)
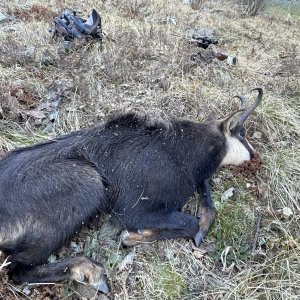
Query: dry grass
(144, 64)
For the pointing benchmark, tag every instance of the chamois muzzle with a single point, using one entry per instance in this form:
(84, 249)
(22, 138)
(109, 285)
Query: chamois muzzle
(249, 111)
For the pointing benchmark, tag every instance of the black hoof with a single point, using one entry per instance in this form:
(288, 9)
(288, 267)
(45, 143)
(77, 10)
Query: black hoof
(198, 239)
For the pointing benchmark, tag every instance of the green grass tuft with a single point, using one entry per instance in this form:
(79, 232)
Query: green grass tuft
(234, 227)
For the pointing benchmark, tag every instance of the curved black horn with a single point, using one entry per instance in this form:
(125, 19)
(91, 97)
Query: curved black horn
(249, 111)
(243, 101)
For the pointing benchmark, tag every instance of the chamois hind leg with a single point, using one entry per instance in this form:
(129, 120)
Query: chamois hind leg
(80, 269)
(206, 213)
(73, 194)
(156, 226)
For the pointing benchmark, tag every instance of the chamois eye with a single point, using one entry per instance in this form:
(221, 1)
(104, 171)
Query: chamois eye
(243, 133)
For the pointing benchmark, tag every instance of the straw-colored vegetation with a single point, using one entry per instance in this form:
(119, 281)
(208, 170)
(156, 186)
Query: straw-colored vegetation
(144, 64)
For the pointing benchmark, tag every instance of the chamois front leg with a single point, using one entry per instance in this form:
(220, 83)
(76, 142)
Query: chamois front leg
(159, 226)
(206, 212)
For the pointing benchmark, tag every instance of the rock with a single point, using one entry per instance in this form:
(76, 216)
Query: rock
(200, 32)
(65, 47)
(48, 59)
(172, 20)
(227, 194)
(53, 116)
(9, 28)
(26, 291)
(287, 212)
(127, 261)
(37, 114)
(231, 60)
(88, 292)
(5, 18)
(256, 135)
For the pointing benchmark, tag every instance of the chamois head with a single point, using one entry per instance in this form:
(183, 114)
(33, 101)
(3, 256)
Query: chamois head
(238, 149)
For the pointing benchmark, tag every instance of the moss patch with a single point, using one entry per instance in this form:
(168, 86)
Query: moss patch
(168, 283)
(234, 228)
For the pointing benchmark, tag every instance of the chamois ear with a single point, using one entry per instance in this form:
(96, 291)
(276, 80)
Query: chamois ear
(211, 118)
(226, 125)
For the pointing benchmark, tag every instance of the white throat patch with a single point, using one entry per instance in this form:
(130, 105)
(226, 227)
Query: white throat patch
(236, 152)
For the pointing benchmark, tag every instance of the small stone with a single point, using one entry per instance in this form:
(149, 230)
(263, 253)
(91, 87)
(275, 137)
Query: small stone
(53, 116)
(48, 59)
(37, 114)
(65, 47)
(4, 18)
(287, 212)
(26, 291)
(9, 28)
(231, 60)
(87, 292)
(200, 32)
(256, 135)
(127, 261)
(227, 194)
(173, 20)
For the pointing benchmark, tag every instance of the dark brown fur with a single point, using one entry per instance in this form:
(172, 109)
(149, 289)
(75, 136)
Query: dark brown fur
(139, 171)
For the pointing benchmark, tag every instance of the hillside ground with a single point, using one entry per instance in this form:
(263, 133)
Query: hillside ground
(147, 63)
